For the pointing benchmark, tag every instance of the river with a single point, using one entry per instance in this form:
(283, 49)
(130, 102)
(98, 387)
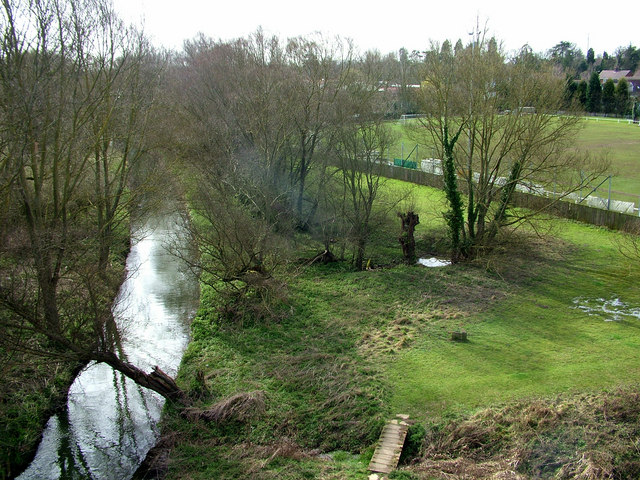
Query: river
(110, 423)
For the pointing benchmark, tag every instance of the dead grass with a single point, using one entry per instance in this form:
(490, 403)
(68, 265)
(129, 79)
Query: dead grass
(241, 407)
(589, 437)
(464, 469)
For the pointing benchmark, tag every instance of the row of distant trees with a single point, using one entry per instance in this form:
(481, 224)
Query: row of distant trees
(570, 59)
(565, 58)
(609, 98)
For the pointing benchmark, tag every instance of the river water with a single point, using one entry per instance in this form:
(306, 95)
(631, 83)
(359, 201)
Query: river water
(110, 423)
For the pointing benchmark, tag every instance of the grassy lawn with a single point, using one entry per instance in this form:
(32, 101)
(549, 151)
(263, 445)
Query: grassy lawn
(529, 339)
(349, 349)
(621, 141)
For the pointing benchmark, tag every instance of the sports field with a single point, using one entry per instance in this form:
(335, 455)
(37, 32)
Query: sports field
(618, 139)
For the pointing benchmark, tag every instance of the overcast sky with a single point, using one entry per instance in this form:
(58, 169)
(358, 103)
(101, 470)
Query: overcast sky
(388, 26)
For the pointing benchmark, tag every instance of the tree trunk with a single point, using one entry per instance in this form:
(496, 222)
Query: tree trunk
(454, 217)
(157, 380)
(406, 238)
(360, 254)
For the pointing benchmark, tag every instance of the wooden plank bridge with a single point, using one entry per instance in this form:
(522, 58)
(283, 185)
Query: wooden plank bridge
(387, 454)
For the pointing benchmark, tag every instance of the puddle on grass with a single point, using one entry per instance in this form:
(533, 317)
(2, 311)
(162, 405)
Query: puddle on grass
(612, 310)
(433, 262)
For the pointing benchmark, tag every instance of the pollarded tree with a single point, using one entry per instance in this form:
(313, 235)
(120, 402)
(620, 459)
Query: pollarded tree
(594, 94)
(609, 97)
(494, 121)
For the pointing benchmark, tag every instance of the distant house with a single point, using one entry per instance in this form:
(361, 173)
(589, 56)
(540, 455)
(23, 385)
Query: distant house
(632, 77)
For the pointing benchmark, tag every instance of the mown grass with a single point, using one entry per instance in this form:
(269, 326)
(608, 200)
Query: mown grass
(348, 349)
(621, 142)
(533, 341)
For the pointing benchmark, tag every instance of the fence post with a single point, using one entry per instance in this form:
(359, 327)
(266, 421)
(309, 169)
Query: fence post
(609, 199)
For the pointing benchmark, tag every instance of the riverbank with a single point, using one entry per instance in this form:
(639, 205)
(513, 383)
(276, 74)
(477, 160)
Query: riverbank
(352, 348)
(110, 421)
(36, 387)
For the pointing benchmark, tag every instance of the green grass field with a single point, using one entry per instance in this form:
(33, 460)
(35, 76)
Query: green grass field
(617, 139)
(620, 140)
(534, 341)
(350, 349)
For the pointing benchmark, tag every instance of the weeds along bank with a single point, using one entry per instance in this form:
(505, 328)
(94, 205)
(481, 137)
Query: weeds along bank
(345, 350)
(579, 436)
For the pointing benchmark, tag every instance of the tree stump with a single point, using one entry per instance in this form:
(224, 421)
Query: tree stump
(459, 336)
(406, 239)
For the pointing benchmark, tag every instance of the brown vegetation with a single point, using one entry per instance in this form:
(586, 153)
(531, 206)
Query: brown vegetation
(586, 437)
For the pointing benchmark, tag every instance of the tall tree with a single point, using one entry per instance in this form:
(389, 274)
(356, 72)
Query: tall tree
(357, 152)
(363, 136)
(594, 94)
(581, 93)
(320, 70)
(567, 57)
(127, 74)
(53, 301)
(494, 121)
(622, 97)
(608, 62)
(442, 93)
(628, 58)
(609, 96)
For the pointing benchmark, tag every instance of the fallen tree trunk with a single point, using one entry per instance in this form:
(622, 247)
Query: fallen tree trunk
(157, 380)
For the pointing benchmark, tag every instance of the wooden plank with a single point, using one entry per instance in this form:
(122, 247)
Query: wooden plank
(387, 453)
(380, 468)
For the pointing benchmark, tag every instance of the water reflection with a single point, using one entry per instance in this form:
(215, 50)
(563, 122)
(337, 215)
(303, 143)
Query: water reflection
(110, 422)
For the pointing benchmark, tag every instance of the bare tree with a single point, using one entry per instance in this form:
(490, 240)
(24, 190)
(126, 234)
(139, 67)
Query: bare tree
(320, 70)
(55, 301)
(495, 123)
(127, 73)
(359, 148)
(235, 133)
(363, 137)
(237, 93)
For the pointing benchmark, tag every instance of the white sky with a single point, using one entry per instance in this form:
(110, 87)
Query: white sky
(388, 26)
